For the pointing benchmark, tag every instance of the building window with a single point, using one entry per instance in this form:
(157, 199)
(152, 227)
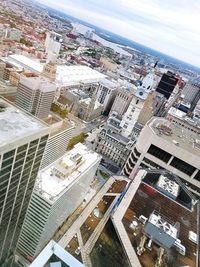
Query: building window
(182, 166)
(197, 176)
(159, 153)
(153, 164)
(136, 152)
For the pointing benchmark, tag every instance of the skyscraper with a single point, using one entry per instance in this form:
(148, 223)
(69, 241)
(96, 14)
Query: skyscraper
(167, 84)
(191, 92)
(22, 142)
(59, 190)
(53, 43)
(35, 95)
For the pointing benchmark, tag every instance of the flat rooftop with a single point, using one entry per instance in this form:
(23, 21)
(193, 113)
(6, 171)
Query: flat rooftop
(21, 61)
(50, 186)
(40, 83)
(147, 199)
(16, 123)
(54, 253)
(177, 134)
(109, 83)
(76, 74)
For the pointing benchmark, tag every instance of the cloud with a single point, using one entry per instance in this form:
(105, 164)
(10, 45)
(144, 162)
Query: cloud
(169, 26)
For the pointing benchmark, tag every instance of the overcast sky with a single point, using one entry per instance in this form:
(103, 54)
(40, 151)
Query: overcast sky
(170, 26)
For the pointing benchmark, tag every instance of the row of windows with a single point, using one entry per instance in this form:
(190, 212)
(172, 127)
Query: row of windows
(153, 164)
(159, 153)
(176, 162)
(182, 166)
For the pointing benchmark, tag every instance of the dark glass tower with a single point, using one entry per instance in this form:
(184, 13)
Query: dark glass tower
(167, 84)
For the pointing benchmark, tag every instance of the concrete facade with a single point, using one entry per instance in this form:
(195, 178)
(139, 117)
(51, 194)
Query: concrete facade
(164, 144)
(60, 189)
(35, 95)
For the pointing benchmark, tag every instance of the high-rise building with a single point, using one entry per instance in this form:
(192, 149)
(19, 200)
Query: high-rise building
(60, 134)
(35, 95)
(122, 101)
(59, 190)
(54, 255)
(49, 71)
(168, 144)
(157, 222)
(191, 92)
(106, 93)
(167, 84)
(22, 142)
(152, 105)
(53, 43)
(130, 117)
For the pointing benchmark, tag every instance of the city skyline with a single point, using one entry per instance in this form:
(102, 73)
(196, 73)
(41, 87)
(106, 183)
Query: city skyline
(170, 28)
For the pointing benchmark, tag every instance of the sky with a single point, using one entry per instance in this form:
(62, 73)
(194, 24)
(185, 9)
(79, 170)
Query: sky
(169, 26)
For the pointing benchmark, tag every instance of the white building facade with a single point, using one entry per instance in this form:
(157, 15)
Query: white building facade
(59, 190)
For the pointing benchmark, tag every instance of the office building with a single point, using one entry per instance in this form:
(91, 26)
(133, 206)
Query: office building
(167, 84)
(60, 134)
(152, 105)
(111, 143)
(157, 221)
(191, 92)
(22, 143)
(106, 93)
(60, 189)
(122, 101)
(171, 144)
(53, 43)
(54, 255)
(35, 95)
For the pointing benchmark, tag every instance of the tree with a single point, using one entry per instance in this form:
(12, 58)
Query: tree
(61, 111)
(75, 140)
(25, 42)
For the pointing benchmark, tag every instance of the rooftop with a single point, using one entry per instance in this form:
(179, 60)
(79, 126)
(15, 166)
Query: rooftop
(52, 254)
(77, 74)
(25, 62)
(174, 133)
(54, 180)
(116, 135)
(15, 123)
(154, 222)
(109, 83)
(40, 83)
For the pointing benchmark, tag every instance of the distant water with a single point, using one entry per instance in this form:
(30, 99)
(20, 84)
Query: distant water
(80, 28)
(113, 40)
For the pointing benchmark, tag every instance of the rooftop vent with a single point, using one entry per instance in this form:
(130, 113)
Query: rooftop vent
(168, 187)
(3, 106)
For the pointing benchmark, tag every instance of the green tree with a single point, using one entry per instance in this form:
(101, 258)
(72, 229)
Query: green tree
(57, 109)
(75, 140)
